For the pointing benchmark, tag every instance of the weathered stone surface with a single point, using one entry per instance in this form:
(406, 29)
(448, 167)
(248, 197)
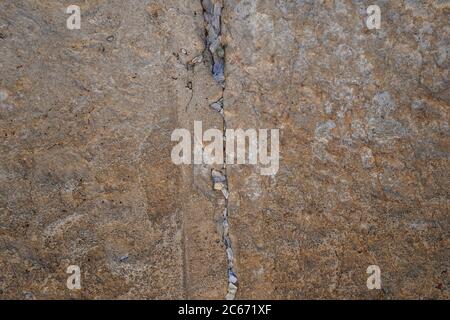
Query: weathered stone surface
(86, 176)
(363, 176)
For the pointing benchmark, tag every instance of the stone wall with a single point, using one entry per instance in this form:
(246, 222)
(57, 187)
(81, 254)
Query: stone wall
(86, 176)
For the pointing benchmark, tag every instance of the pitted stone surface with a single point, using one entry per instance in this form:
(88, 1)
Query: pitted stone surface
(86, 176)
(363, 117)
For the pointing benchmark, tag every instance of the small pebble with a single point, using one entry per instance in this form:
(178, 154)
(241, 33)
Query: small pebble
(217, 106)
(232, 289)
(226, 227)
(219, 180)
(29, 296)
(230, 254)
(232, 278)
(220, 52)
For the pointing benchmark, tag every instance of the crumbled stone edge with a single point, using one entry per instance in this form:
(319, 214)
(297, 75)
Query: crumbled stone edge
(212, 13)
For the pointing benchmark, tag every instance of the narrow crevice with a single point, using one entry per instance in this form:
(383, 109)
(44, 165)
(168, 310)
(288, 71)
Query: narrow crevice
(212, 13)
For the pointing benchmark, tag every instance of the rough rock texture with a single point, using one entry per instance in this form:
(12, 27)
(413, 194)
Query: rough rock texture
(364, 169)
(86, 177)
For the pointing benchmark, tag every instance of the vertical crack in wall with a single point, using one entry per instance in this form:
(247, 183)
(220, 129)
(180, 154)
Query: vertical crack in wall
(212, 12)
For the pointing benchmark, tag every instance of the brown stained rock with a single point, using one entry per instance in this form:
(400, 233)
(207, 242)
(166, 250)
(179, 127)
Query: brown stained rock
(86, 175)
(363, 119)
